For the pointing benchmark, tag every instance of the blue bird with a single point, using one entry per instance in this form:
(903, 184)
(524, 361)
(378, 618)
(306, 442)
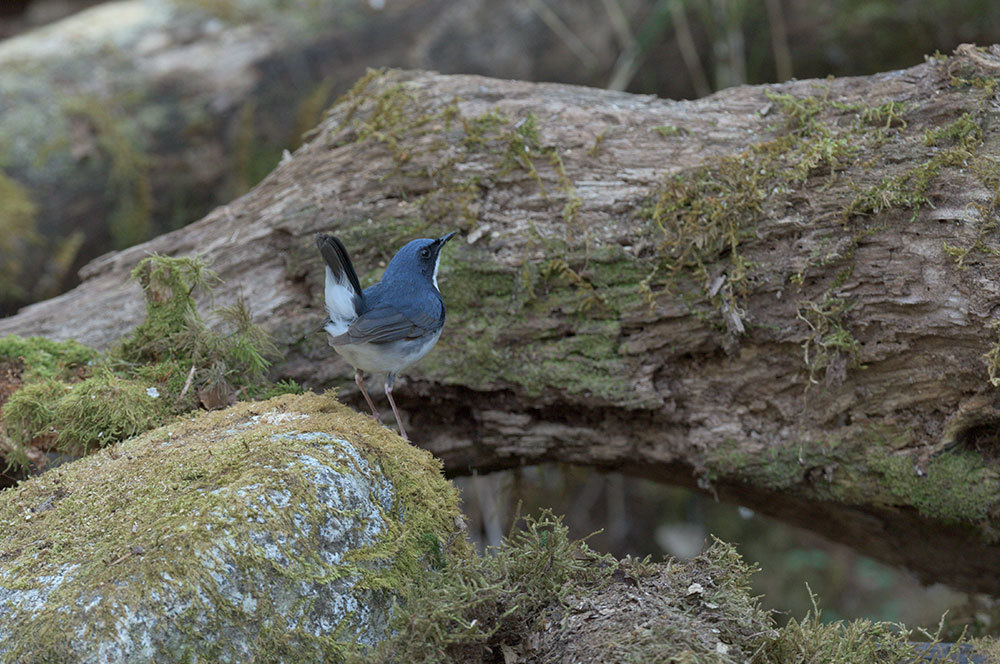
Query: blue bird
(391, 324)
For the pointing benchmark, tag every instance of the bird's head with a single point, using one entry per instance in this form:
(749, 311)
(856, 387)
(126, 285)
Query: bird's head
(418, 257)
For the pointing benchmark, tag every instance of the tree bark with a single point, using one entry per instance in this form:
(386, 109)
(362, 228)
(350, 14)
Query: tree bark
(781, 295)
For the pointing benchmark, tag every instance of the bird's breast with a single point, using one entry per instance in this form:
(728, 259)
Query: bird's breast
(389, 357)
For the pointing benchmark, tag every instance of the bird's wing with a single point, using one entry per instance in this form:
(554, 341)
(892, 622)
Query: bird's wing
(386, 323)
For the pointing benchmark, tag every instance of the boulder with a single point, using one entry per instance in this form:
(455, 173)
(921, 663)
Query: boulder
(271, 531)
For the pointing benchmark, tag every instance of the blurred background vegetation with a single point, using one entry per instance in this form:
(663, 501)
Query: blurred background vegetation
(670, 48)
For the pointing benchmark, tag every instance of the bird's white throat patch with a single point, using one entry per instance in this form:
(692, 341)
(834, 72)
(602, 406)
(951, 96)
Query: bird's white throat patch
(437, 263)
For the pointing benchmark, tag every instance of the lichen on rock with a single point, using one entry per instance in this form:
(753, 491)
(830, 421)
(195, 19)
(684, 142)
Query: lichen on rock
(283, 528)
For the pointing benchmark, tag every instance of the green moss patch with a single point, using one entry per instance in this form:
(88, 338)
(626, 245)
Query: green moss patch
(875, 468)
(44, 358)
(958, 486)
(230, 356)
(812, 639)
(477, 605)
(75, 399)
(702, 219)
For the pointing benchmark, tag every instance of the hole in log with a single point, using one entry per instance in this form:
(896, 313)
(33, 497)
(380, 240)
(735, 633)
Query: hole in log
(984, 437)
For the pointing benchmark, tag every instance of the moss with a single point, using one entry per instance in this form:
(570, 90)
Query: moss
(955, 145)
(993, 364)
(667, 131)
(779, 467)
(129, 189)
(964, 131)
(799, 112)
(875, 467)
(44, 358)
(973, 68)
(388, 121)
(805, 114)
(103, 516)
(558, 269)
(233, 357)
(105, 409)
(909, 190)
(711, 589)
(826, 141)
(353, 98)
(418, 140)
(703, 217)
(582, 364)
(40, 371)
(988, 647)
(836, 146)
(522, 143)
(595, 149)
(480, 130)
(887, 115)
(576, 350)
(954, 487)
(168, 285)
(829, 340)
(813, 639)
(173, 353)
(475, 605)
(78, 418)
(28, 418)
(286, 386)
(711, 210)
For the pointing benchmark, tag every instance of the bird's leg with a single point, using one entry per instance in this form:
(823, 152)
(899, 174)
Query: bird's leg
(359, 378)
(389, 380)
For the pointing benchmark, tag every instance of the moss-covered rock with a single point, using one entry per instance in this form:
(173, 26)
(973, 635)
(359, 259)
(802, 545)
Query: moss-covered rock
(282, 528)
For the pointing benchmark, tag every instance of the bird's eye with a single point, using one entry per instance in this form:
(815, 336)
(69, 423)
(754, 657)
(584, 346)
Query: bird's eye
(425, 253)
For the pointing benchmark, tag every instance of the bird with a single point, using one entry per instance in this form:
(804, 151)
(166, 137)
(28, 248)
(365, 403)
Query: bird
(390, 325)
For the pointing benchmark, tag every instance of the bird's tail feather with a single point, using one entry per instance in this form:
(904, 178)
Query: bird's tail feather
(337, 259)
(343, 295)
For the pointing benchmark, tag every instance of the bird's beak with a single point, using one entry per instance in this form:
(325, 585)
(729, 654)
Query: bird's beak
(445, 238)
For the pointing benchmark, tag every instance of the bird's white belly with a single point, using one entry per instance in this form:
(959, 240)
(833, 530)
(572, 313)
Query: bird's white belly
(387, 358)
